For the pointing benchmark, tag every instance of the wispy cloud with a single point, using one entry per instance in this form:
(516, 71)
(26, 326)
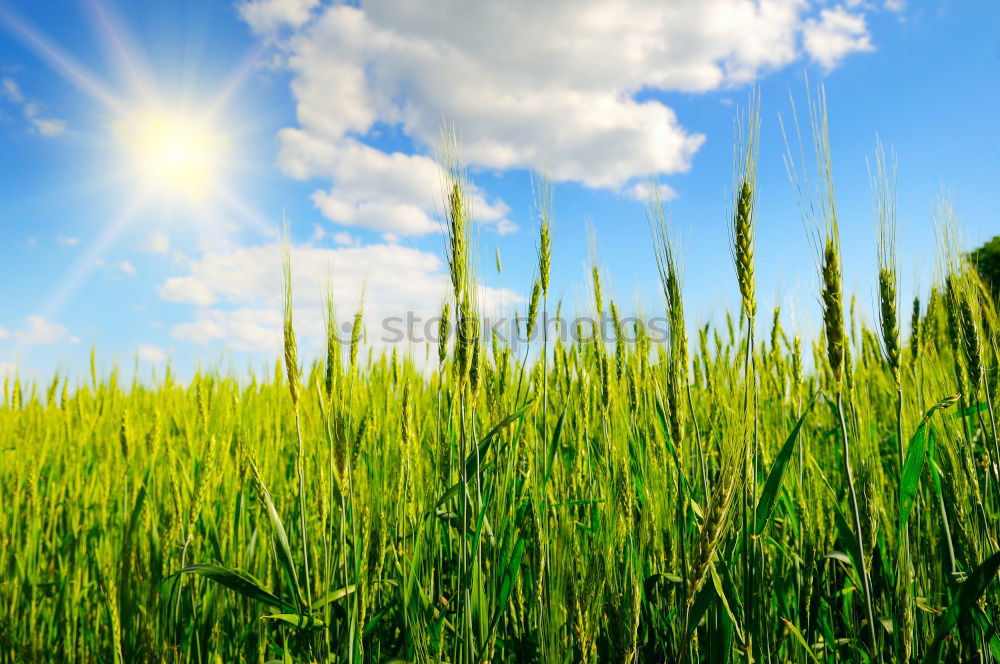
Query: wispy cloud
(33, 111)
(48, 126)
(151, 353)
(41, 332)
(12, 91)
(158, 242)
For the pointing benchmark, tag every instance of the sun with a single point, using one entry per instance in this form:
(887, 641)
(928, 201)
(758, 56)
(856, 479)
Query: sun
(174, 154)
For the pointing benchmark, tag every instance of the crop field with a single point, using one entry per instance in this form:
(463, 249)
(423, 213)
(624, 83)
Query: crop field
(735, 493)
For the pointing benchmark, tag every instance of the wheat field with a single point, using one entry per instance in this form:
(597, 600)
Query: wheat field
(732, 494)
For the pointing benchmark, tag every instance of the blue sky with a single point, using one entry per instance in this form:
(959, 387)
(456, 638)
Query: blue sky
(328, 114)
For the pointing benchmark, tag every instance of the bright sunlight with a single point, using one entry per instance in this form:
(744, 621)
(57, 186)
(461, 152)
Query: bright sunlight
(174, 154)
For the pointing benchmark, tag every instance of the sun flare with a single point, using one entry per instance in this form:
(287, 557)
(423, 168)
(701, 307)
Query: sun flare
(174, 154)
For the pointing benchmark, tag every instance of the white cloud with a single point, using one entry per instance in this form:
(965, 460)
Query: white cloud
(40, 332)
(67, 240)
(345, 239)
(895, 5)
(245, 287)
(342, 238)
(31, 109)
(834, 35)
(244, 329)
(151, 353)
(4, 333)
(13, 91)
(49, 127)
(373, 189)
(646, 192)
(506, 227)
(549, 85)
(11, 369)
(266, 16)
(127, 268)
(158, 242)
(187, 289)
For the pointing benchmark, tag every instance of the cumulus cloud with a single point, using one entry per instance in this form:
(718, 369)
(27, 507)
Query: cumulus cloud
(127, 268)
(647, 192)
(41, 332)
(238, 292)
(246, 329)
(374, 189)
(4, 333)
(556, 85)
(67, 240)
(345, 239)
(187, 289)
(835, 34)
(265, 16)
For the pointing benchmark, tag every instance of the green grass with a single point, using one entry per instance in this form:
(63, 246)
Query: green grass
(619, 502)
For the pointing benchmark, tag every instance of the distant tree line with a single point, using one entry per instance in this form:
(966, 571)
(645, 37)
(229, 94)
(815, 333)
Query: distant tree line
(987, 261)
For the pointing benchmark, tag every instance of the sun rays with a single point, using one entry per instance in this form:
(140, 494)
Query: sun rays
(174, 154)
(160, 152)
